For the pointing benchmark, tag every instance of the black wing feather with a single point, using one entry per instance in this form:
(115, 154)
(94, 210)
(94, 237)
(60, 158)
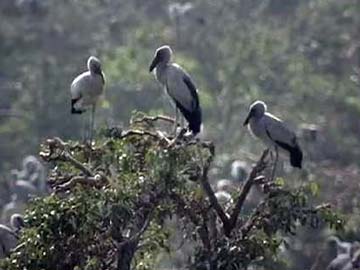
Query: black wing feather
(295, 152)
(191, 86)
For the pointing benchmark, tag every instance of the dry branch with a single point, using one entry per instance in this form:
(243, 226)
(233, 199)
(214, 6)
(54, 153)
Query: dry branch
(152, 119)
(98, 181)
(259, 167)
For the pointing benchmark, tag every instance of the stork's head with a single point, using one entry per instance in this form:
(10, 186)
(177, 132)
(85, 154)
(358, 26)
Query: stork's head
(17, 222)
(162, 55)
(94, 65)
(257, 110)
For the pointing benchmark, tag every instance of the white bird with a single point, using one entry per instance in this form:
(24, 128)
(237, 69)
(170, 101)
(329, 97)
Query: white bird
(23, 189)
(9, 236)
(224, 198)
(86, 89)
(342, 247)
(273, 132)
(225, 185)
(239, 170)
(179, 86)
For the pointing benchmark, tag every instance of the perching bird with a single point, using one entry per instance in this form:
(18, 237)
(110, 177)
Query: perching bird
(239, 170)
(273, 132)
(179, 86)
(86, 90)
(9, 236)
(225, 185)
(341, 247)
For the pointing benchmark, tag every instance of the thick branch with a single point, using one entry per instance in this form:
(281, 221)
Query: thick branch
(77, 164)
(132, 132)
(253, 219)
(260, 166)
(153, 119)
(213, 200)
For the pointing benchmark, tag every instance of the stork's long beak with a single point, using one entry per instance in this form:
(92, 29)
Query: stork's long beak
(154, 63)
(247, 118)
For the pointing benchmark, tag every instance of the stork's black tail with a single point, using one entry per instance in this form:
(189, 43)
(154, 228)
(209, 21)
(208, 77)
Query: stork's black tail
(296, 156)
(194, 117)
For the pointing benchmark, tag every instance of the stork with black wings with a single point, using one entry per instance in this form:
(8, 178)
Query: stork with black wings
(274, 133)
(179, 86)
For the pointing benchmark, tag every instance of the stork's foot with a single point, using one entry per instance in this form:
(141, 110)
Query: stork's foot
(177, 138)
(163, 137)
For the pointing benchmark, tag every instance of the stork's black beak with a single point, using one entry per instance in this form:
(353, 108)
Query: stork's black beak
(154, 63)
(247, 118)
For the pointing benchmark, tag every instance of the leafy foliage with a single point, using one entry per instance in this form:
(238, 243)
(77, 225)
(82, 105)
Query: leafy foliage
(111, 201)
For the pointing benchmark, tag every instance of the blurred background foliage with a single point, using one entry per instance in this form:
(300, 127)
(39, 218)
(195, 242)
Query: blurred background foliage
(301, 57)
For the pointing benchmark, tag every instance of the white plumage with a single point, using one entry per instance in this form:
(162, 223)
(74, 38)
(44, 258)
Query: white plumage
(225, 185)
(87, 88)
(179, 86)
(273, 132)
(239, 170)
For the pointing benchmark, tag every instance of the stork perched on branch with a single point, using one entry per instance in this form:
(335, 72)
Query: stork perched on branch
(9, 236)
(274, 133)
(179, 86)
(86, 90)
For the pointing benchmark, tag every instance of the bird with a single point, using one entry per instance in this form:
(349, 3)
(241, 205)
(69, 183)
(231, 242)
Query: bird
(9, 236)
(179, 86)
(225, 185)
(273, 132)
(341, 247)
(86, 89)
(347, 261)
(32, 171)
(238, 170)
(17, 222)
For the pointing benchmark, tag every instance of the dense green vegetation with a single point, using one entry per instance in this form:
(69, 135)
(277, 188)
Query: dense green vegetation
(301, 57)
(111, 203)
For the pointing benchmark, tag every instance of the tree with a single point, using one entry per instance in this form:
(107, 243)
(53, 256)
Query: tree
(111, 201)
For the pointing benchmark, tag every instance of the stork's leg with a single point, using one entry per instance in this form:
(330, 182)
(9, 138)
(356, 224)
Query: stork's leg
(275, 163)
(92, 122)
(182, 122)
(84, 128)
(176, 120)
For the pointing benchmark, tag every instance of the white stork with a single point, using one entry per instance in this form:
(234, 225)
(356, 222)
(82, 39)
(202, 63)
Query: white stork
(179, 86)
(273, 132)
(86, 90)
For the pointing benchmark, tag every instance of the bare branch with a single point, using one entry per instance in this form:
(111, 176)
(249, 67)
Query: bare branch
(136, 237)
(259, 167)
(210, 193)
(132, 132)
(153, 119)
(77, 164)
(255, 216)
(98, 181)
